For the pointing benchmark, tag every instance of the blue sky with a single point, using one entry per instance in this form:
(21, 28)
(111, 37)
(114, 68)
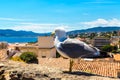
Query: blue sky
(45, 15)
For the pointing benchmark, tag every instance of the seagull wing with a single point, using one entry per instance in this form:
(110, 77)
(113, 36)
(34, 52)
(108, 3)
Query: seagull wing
(73, 48)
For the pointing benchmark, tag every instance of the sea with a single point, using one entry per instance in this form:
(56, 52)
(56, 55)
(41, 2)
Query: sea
(18, 39)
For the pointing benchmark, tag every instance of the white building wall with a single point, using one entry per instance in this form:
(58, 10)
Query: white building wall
(46, 42)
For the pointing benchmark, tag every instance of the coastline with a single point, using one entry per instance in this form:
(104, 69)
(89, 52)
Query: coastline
(18, 39)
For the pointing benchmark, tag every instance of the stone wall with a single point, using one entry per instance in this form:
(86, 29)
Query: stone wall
(40, 52)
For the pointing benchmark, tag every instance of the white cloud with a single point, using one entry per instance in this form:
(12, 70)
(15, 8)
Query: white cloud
(9, 19)
(49, 27)
(40, 28)
(101, 22)
(38, 24)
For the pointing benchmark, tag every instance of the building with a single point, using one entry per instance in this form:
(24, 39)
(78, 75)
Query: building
(99, 42)
(45, 42)
(118, 33)
(44, 49)
(115, 40)
(3, 45)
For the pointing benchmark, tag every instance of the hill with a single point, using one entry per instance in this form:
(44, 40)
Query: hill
(95, 29)
(11, 33)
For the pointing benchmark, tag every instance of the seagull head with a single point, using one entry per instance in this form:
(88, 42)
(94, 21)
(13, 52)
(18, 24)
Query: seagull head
(60, 34)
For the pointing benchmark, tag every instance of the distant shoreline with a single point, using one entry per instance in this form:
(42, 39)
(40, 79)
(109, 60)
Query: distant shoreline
(18, 39)
(21, 36)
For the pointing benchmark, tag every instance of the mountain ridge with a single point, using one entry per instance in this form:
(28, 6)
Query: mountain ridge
(22, 33)
(96, 29)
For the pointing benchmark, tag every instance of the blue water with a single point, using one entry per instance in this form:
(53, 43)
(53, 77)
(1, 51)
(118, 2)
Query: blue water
(18, 39)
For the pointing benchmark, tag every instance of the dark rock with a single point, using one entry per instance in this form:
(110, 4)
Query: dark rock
(2, 77)
(45, 75)
(1, 72)
(24, 78)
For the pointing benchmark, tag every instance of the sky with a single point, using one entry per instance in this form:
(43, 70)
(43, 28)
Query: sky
(43, 16)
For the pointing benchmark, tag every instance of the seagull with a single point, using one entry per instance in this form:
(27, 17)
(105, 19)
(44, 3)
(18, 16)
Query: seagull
(73, 48)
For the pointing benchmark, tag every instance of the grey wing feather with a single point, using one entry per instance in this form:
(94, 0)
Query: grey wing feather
(75, 48)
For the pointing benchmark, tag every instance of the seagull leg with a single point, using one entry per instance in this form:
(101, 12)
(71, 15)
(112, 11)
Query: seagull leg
(70, 65)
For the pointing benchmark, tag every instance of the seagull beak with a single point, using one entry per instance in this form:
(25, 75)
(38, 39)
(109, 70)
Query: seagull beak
(53, 34)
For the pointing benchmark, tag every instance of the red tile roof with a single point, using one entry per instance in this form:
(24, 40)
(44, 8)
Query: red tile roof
(103, 67)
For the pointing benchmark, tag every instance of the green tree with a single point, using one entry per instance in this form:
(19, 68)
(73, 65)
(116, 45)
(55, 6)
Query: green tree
(29, 57)
(115, 33)
(92, 35)
(115, 48)
(109, 48)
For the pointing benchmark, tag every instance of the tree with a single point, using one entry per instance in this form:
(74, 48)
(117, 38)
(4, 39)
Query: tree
(115, 33)
(92, 35)
(109, 48)
(29, 57)
(115, 47)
